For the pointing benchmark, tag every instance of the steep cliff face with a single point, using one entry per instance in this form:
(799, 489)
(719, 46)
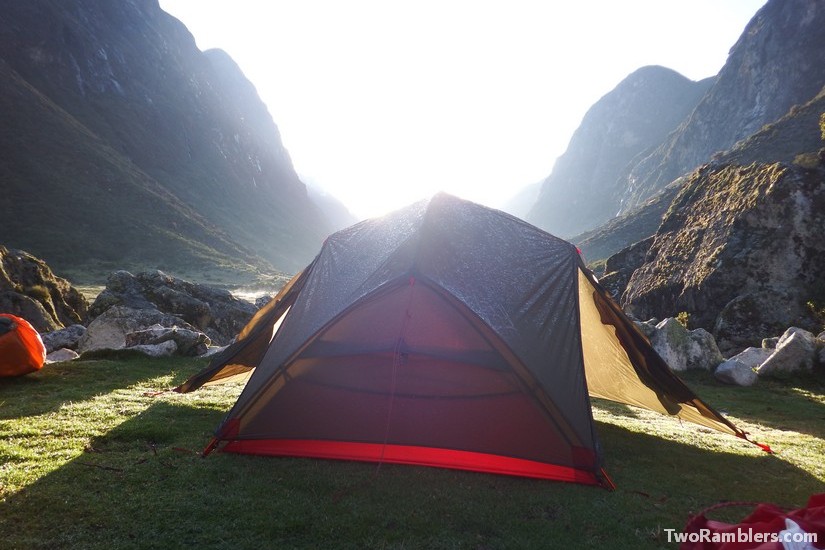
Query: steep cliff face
(176, 140)
(775, 64)
(740, 250)
(645, 107)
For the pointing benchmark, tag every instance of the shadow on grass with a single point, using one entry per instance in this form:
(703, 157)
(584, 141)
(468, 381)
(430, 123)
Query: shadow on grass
(56, 384)
(614, 408)
(796, 404)
(144, 485)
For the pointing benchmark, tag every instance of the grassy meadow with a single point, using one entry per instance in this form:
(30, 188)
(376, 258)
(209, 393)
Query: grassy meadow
(92, 457)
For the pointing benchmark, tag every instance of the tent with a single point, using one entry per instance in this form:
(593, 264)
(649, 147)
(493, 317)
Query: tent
(444, 334)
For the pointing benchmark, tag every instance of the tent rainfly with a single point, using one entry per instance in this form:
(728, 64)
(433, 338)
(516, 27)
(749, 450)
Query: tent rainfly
(444, 334)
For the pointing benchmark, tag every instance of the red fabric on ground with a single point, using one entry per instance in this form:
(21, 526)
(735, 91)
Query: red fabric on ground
(21, 349)
(765, 519)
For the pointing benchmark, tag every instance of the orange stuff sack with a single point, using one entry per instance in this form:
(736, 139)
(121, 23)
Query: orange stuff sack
(21, 349)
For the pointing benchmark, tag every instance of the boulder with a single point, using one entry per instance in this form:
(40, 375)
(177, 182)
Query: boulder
(619, 267)
(734, 372)
(29, 289)
(63, 338)
(705, 353)
(61, 355)
(189, 342)
(212, 311)
(795, 352)
(164, 349)
(109, 330)
(741, 368)
(682, 349)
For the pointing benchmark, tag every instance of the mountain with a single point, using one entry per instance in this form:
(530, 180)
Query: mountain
(775, 64)
(519, 205)
(582, 192)
(335, 212)
(760, 96)
(125, 146)
(723, 220)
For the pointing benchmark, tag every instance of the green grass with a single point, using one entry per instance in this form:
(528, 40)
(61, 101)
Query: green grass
(90, 458)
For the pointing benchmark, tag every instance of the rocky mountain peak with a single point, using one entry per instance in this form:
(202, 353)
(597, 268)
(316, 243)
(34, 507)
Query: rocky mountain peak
(638, 114)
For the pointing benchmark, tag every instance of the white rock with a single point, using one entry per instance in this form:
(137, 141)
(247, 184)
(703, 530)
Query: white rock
(60, 355)
(753, 357)
(795, 352)
(164, 349)
(704, 354)
(795, 330)
(682, 349)
(734, 372)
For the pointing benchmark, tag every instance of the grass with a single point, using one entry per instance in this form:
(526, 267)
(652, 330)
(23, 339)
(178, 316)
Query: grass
(91, 458)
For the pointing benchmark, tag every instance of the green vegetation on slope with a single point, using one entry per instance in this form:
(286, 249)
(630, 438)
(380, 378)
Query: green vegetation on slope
(51, 158)
(90, 458)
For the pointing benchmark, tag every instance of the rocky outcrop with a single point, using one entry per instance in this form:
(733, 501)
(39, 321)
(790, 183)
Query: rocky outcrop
(792, 138)
(29, 289)
(187, 342)
(620, 267)
(109, 330)
(210, 310)
(740, 250)
(637, 115)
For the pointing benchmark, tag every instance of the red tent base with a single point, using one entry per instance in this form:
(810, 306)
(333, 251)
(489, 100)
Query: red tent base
(411, 455)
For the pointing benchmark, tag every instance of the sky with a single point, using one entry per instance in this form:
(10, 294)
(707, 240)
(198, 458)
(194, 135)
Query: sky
(381, 103)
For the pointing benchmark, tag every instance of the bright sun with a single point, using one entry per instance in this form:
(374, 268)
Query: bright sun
(383, 103)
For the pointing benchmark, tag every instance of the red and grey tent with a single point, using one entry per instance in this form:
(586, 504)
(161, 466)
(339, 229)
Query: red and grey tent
(444, 334)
